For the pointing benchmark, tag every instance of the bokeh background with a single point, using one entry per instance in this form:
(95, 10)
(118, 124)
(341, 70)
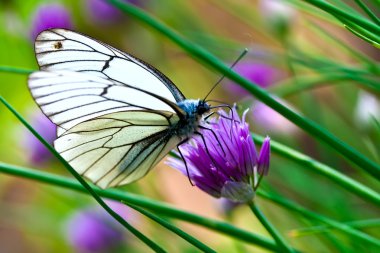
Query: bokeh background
(296, 51)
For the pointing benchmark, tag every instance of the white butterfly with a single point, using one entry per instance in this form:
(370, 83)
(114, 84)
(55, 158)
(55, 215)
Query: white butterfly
(117, 116)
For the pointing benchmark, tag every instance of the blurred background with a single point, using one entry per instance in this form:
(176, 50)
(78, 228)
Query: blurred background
(297, 52)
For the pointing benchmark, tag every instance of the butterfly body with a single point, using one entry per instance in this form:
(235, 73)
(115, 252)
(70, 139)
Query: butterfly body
(194, 110)
(116, 115)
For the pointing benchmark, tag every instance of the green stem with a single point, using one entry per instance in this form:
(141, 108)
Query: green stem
(212, 61)
(323, 5)
(351, 26)
(312, 215)
(354, 52)
(174, 229)
(270, 228)
(308, 163)
(368, 11)
(364, 35)
(155, 247)
(15, 70)
(141, 201)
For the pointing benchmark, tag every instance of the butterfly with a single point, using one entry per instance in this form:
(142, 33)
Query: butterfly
(116, 115)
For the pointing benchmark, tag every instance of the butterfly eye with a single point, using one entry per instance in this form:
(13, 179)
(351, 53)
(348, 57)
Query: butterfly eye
(203, 107)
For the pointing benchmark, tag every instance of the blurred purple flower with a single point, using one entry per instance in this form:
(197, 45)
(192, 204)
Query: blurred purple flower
(229, 170)
(37, 152)
(93, 230)
(101, 11)
(50, 16)
(271, 120)
(262, 74)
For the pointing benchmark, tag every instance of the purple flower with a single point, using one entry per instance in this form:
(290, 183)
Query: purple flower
(94, 230)
(228, 166)
(50, 16)
(37, 152)
(262, 74)
(102, 12)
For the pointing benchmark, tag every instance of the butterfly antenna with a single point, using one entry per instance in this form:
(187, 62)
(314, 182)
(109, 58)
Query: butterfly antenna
(245, 51)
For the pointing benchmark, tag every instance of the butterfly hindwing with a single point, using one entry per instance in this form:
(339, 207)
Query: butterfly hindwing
(118, 148)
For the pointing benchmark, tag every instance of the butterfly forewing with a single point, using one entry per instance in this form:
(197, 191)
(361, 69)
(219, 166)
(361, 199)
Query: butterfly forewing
(69, 98)
(60, 49)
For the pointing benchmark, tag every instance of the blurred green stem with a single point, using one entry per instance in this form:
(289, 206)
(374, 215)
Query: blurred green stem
(360, 30)
(360, 21)
(367, 10)
(174, 229)
(212, 61)
(141, 201)
(308, 163)
(169, 211)
(155, 247)
(270, 228)
(325, 228)
(315, 216)
(372, 64)
(289, 87)
(15, 70)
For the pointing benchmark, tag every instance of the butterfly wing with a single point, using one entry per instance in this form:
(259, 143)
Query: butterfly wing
(60, 49)
(118, 148)
(115, 114)
(68, 98)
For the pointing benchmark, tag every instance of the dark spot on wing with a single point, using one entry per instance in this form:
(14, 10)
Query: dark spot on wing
(57, 45)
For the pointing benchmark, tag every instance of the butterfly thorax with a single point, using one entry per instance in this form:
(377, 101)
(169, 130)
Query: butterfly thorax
(194, 110)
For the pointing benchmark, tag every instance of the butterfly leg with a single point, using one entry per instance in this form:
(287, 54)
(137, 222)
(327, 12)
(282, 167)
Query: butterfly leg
(207, 150)
(216, 137)
(208, 116)
(184, 160)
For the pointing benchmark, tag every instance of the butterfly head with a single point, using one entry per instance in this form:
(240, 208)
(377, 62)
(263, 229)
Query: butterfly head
(202, 107)
(194, 108)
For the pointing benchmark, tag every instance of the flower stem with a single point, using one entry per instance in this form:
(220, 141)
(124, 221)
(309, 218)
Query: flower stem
(270, 228)
(290, 205)
(15, 70)
(174, 229)
(141, 201)
(332, 174)
(329, 8)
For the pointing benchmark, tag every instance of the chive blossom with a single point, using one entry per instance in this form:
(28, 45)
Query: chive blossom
(226, 163)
